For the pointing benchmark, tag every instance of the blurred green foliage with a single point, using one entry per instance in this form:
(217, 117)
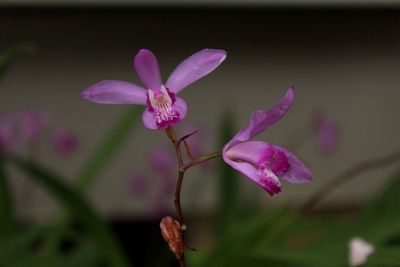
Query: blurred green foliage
(93, 244)
(228, 188)
(280, 237)
(77, 206)
(104, 153)
(8, 57)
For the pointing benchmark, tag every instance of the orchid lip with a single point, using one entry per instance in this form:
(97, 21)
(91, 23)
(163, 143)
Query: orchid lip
(161, 104)
(260, 155)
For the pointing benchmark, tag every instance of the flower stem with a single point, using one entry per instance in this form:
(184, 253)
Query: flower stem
(348, 175)
(177, 199)
(340, 179)
(177, 195)
(202, 159)
(182, 167)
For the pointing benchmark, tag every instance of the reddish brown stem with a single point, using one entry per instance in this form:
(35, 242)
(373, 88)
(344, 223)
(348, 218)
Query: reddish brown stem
(182, 167)
(201, 160)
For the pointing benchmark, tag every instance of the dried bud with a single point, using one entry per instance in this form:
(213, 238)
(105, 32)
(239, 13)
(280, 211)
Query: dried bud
(171, 231)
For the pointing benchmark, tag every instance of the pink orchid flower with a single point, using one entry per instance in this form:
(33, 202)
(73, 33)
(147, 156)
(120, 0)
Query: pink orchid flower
(163, 107)
(261, 162)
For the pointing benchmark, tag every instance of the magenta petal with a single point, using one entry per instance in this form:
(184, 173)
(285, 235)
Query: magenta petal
(260, 120)
(298, 173)
(246, 165)
(252, 152)
(269, 181)
(115, 92)
(195, 67)
(150, 122)
(147, 68)
(181, 107)
(266, 179)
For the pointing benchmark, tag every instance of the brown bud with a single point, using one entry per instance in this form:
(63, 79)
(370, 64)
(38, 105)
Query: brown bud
(171, 231)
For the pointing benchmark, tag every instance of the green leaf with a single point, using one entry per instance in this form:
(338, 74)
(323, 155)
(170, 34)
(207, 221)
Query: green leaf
(228, 183)
(85, 255)
(77, 205)
(380, 220)
(387, 202)
(110, 145)
(6, 202)
(7, 57)
(18, 241)
(384, 257)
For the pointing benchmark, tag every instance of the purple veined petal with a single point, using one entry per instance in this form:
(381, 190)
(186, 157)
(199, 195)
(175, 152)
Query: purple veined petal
(194, 67)
(264, 178)
(150, 122)
(115, 92)
(260, 120)
(147, 69)
(298, 173)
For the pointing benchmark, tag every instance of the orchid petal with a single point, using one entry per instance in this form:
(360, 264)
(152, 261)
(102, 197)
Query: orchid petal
(298, 173)
(195, 67)
(150, 122)
(252, 152)
(147, 68)
(115, 92)
(261, 120)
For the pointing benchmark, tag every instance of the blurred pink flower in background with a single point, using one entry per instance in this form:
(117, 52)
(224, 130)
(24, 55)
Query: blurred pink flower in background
(161, 160)
(31, 126)
(326, 133)
(139, 185)
(7, 132)
(64, 142)
(162, 175)
(24, 131)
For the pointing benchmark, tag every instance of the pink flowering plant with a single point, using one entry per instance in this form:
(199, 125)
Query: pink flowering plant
(261, 162)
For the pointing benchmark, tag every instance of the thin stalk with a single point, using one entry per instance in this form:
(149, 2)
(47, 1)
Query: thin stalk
(182, 167)
(202, 159)
(340, 179)
(348, 175)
